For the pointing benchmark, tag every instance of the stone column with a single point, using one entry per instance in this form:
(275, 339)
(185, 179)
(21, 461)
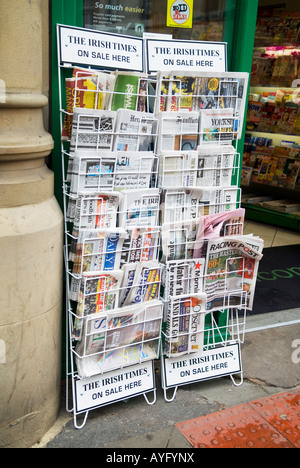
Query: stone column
(31, 235)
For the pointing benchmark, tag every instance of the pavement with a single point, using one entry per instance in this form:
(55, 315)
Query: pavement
(262, 412)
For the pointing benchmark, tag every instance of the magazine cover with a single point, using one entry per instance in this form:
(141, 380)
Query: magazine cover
(185, 325)
(231, 271)
(178, 131)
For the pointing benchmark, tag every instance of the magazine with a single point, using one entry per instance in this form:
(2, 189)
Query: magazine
(178, 131)
(231, 271)
(119, 338)
(177, 169)
(135, 131)
(185, 325)
(139, 207)
(216, 166)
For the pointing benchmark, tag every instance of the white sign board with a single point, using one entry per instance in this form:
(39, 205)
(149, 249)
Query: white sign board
(94, 48)
(206, 365)
(109, 387)
(186, 55)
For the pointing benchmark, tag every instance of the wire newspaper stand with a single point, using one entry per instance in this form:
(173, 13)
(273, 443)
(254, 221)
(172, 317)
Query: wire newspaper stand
(151, 185)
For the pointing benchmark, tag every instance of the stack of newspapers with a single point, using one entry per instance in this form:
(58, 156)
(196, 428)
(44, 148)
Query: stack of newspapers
(210, 265)
(112, 211)
(155, 228)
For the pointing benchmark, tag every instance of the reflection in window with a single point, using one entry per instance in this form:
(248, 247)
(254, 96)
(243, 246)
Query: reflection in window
(133, 17)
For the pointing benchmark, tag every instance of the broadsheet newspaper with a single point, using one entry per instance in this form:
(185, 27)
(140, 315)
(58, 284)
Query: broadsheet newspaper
(135, 131)
(119, 338)
(139, 207)
(177, 169)
(231, 271)
(185, 325)
(178, 131)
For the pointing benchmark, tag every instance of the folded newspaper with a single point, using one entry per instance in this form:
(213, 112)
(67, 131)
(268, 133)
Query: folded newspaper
(139, 207)
(178, 131)
(185, 325)
(111, 171)
(130, 91)
(119, 338)
(142, 244)
(99, 291)
(177, 169)
(178, 239)
(216, 166)
(180, 205)
(143, 284)
(135, 131)
(231, 271)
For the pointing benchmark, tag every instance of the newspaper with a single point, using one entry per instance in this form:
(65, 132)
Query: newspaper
(177, 169)
(119, 338)
(145, 283)
(180, 205)
(178, 131)
(86, 89)
(194, 91)
(96, 211)
(99, 291)
(231, 271)
(230, 223)
(185, 325)
(130, 92)
(141, 245)
(139, 207)
(216, 126)
(135, 131)
(216, 166)
(111, 171)
(178, 239)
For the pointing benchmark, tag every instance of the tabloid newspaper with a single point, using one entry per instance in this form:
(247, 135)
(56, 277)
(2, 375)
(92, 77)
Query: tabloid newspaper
(135, 131)
(231, 271)
(141, 283)
(178, 131)
(230, 223)
(185, 325)
(86, 89)
(130, 92)
(142, 244)
(119, 338)
(99, 291)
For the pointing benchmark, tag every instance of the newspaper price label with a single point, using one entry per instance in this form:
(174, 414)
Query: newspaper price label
(117, 385)
(94, 48)
(205, 365)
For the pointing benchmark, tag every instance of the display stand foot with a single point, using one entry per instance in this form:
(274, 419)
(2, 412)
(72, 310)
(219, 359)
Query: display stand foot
(169, 400)
(236, 383)
(150, 403)
(83, 423)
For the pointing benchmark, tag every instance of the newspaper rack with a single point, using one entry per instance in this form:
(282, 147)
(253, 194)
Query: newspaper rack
(141, 166)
